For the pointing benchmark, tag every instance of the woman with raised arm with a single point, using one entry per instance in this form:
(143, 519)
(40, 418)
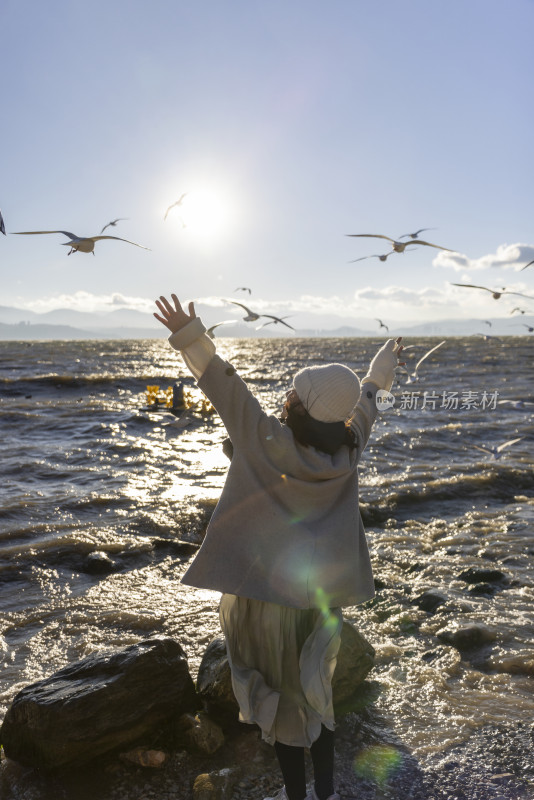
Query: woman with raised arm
(286, 545)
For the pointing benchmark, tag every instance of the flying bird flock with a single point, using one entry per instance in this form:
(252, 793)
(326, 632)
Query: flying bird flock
(86, 244)
(400, 246)
(404, 243)
(252, 316)
(397, 245)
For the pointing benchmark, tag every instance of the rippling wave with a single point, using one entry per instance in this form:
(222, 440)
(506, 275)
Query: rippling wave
(103, 506)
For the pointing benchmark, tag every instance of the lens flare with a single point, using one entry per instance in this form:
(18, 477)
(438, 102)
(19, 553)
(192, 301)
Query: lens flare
(378, 763)
(323, 604)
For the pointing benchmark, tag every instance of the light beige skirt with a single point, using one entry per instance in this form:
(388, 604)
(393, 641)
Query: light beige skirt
(282, 661)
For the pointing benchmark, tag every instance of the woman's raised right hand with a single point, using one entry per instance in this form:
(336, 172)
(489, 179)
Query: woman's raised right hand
(174, 318)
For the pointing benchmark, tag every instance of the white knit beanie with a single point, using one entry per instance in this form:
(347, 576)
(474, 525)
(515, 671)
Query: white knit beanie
(328, 393)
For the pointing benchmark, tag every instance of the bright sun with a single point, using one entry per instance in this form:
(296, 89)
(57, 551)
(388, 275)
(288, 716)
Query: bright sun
(204, 215)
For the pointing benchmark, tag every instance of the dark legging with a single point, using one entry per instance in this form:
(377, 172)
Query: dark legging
(291, 760)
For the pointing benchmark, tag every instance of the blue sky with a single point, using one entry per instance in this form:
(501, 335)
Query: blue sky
(289, 125)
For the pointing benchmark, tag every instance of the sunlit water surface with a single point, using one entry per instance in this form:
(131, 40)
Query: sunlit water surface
(87, 467)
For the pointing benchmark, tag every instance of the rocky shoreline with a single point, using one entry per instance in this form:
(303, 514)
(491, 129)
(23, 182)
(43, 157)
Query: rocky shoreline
(207, 755)
(139, 706)
(495, 764)
(203, 756)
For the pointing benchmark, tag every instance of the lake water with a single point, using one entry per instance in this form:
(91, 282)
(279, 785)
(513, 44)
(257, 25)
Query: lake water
(88, 468)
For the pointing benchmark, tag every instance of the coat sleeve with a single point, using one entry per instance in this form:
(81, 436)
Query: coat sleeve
(238, 408)
(364, 415)
(236, 405)
(195, 345)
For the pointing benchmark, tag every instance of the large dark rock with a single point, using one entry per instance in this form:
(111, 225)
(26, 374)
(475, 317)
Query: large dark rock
(99, 563)
(429, 601)
(468, 637)
(105, 702)
(214, 683)
(473, 575)
(355, 660)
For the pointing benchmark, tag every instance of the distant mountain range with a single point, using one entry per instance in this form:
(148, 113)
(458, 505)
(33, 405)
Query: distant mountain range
(64, 323)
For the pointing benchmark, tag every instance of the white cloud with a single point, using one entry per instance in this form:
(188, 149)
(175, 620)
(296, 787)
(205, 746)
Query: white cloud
(401, 303)
(508, 256)
(321, 305)
(428, 297)
(217, 301)
(86, 301)
(306, 303)
(448, 301)
(407, 304)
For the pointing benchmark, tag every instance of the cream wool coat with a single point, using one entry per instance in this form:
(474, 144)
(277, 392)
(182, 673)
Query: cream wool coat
(287, 527)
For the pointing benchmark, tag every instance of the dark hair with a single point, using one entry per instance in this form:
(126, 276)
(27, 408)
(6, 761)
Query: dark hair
(325, 436)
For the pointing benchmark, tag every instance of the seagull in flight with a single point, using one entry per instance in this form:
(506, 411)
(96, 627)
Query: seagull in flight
(487, 337)
(399, 247)
(521, 310)
(226, 322)
(516, 403)
(494, 293)
(414, 377)
(243, 289)
(251, 315)
(529, 328)
(274, 321)
(496, 452)
(113, 223)
(382, 324)
(530, 263)
(2, 226)
(416, 234)
(178, 203)
(82, 244)
(382, 257)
